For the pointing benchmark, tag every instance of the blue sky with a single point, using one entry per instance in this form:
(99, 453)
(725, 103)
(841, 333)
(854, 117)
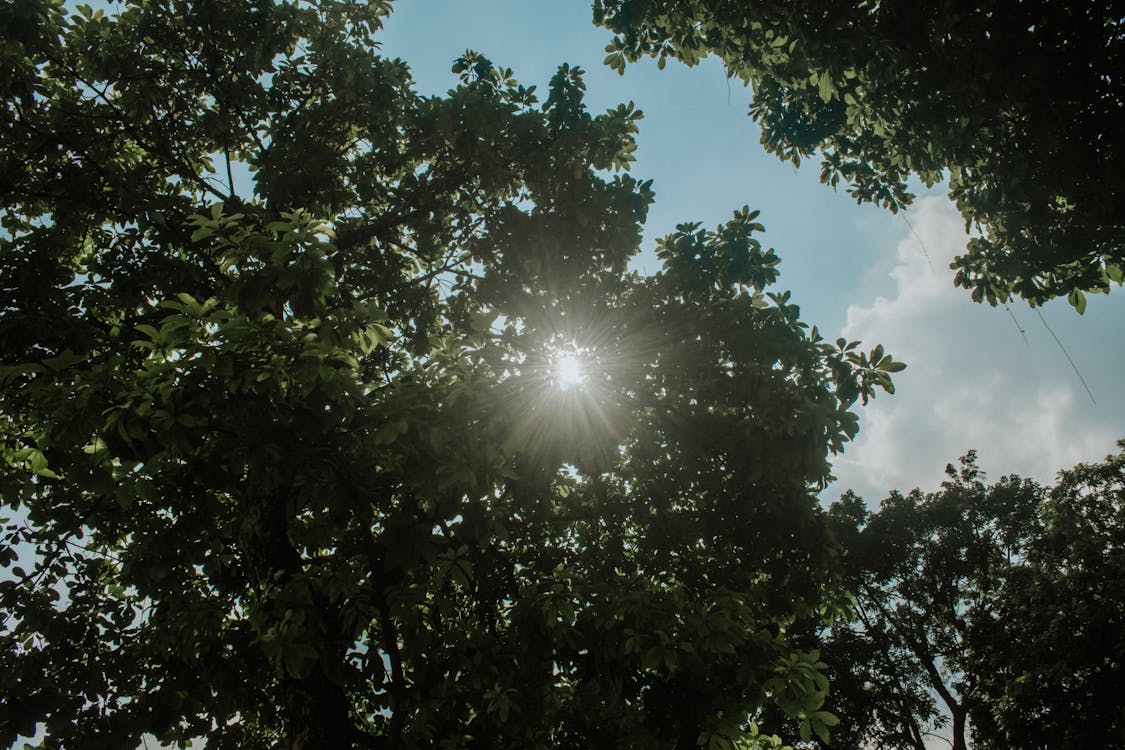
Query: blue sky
(859, 271)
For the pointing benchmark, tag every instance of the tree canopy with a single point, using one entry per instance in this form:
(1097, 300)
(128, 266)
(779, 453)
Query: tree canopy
(288, 461)
(988, 614)
(1047, 664)
(1020, 105)
(924, 567)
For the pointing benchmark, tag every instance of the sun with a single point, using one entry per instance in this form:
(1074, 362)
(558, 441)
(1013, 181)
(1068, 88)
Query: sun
(568, 370)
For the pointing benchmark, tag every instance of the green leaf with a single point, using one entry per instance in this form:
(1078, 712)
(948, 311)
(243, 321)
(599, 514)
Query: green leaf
(36, 461)
(299, 660)
(9, 373)
(149, 330)
(64, 361)
(827, 89)
(718, 742)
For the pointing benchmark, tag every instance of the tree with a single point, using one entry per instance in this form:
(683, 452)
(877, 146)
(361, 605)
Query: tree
(922, 569)
(987, 612)
(1047, 663)
(1019, 105)
(927, 566)
(290, 462)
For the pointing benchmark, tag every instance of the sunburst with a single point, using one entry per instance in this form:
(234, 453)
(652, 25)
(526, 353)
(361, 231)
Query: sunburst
(569, 370)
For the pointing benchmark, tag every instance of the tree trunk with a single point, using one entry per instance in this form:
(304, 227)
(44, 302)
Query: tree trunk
(317, 714)
(959, 729)
(316, 708)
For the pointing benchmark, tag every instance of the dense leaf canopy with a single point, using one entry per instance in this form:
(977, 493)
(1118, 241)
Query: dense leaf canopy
(286, 459)
(1020, 105)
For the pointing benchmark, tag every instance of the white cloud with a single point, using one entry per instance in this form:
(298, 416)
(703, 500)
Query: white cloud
(972, 380)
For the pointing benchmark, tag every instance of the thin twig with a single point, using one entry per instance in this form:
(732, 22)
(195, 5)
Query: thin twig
(170, 159)
(920, 243)
(1068, 359)
(102, 553)
(230, 175)
(1018, 326)
(944, 739)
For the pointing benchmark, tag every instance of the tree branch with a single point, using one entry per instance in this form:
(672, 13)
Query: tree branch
(170, 159)
(398, 679)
